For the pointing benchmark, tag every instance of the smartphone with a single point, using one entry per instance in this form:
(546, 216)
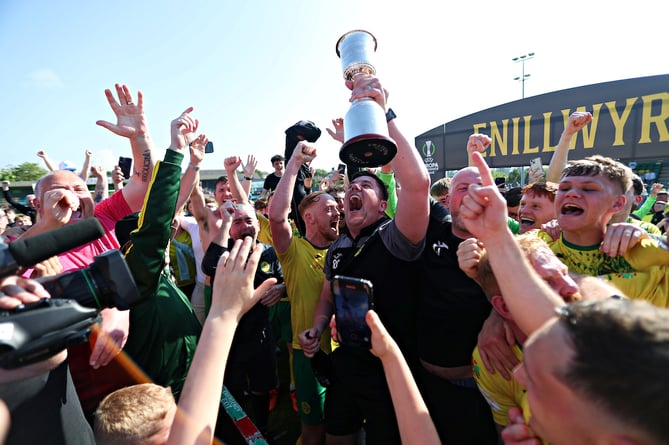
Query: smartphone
(536, 171)
(353, 297)
(209, 148)
(341, 168)
(126, 165)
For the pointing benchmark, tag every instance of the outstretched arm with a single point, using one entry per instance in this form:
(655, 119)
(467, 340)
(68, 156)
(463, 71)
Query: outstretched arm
(528, 297)
(239, 194)
(131, 123)
(413, 418)
(413, 208)
(282, 233)
(42, 154)
(233, 295)
(87, 165)
(101, 186)
(192, 174)
(577, 120)
(249, 170)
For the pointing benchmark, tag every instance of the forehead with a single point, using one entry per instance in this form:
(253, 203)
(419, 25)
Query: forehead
(60, 177)
(467, 176)
(530, 196)
(243, 212)
(222, 185)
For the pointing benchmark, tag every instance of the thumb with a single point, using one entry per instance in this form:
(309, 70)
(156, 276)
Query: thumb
(374, 322)
(264, 287)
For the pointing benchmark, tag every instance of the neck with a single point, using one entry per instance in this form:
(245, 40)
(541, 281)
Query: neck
(583, 237)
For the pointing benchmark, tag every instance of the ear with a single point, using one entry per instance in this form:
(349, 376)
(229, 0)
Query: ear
(308, 218)
(383, 205)
(619, 203)
(499, 305)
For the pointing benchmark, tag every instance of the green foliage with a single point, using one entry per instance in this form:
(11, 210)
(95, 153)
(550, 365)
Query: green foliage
(514, 176)
(28, 171)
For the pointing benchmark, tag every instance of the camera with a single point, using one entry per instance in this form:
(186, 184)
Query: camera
(106, 283)
(34, 332)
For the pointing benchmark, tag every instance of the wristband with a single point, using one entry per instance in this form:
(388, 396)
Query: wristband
(194, 167)
(248, 178)
(390, 115)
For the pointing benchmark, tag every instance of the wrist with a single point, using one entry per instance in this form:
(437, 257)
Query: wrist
(248, 178)
(194, 166)
(390, 115)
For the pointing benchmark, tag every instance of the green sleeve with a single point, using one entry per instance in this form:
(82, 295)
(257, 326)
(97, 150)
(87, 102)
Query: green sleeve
(146, 258)
(513, 225)
(645, 207)
(389, 180)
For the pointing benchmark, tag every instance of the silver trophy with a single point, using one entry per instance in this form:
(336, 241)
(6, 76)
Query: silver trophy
(366, 139)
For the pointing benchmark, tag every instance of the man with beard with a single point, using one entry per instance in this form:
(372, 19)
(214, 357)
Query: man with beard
(383, 251)
(252, 361)
(302, 263)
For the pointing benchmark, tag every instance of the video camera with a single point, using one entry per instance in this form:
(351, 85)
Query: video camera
(34, 332)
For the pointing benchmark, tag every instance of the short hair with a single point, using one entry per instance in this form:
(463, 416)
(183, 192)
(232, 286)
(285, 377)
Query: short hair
(223, 179)
(512, 196)
(621, 354)
(132, 414)
(337, 188)
(440, 187)
(485, 277)
(542, 189)
(381, 184)
(276, 158)
(637, 183)
(597, 165)
(260, 204)
(310, 199)
(208, 199)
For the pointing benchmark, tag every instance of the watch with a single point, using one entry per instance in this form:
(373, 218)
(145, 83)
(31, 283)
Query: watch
(390, 115)
(248, 178)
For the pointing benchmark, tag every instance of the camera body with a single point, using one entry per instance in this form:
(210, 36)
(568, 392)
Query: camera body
(34, 332)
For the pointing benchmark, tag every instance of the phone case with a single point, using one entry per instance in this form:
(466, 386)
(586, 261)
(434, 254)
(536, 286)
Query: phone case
(353, 297)
(126, 165)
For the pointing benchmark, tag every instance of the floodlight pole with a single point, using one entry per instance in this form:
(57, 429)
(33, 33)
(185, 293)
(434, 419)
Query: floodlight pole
(522, 59)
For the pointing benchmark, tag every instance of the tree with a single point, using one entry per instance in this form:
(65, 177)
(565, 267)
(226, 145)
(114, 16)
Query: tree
(28, 171)
(514, 176)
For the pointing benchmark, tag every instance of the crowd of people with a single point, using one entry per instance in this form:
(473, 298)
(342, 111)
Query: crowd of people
(525, 316)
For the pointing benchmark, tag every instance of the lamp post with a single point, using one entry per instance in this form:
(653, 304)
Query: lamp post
(522, 59)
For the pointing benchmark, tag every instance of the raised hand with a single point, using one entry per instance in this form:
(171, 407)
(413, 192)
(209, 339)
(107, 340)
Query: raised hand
(250, 167)
(577, 120)
(182, 129)
(130, 119)
(98, 171)
(484, 208)
(338, 133)
(366, 85)
(477, 143)
(197, 149)
(233, 291)
(304, 152)
(232, 163)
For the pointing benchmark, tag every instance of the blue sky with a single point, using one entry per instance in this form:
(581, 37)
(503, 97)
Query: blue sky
(251, 69)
